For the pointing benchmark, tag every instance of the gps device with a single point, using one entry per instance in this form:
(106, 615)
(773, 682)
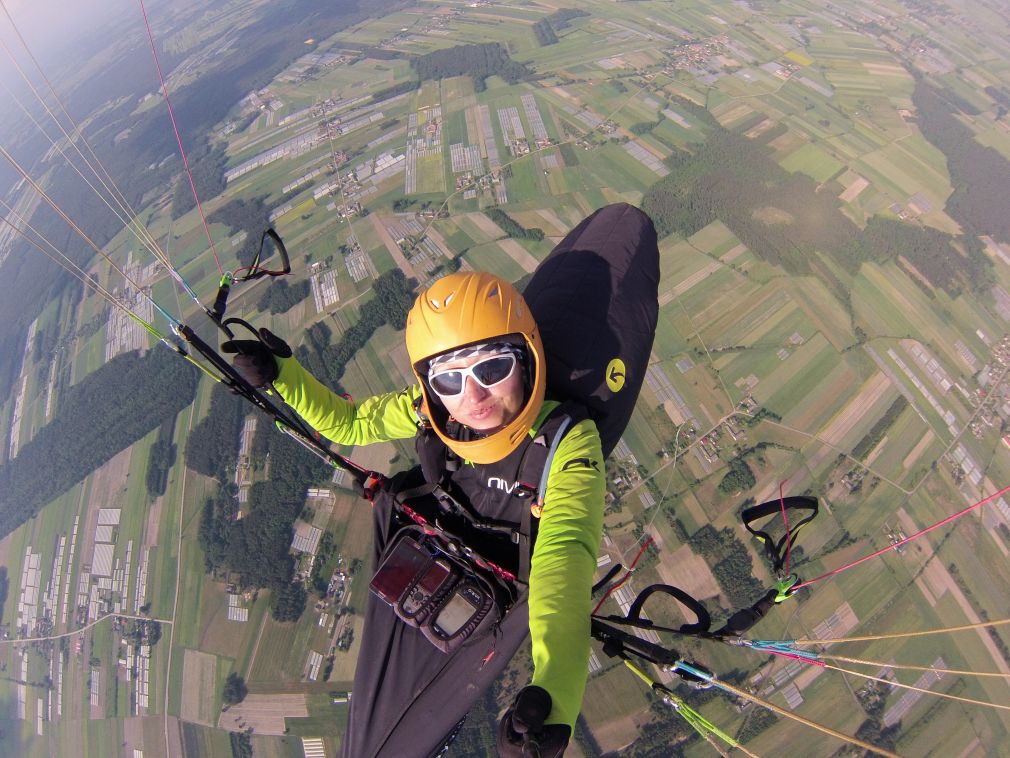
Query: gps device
(435, 589)
(399, 570)
(463, 605)
(430, 582)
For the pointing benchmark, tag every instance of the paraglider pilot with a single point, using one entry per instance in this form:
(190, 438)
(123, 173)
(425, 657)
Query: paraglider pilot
(450, 602)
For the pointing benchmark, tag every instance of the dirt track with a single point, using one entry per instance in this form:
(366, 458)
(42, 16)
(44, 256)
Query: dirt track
(688, 571)
(392, 247)
(871, 391)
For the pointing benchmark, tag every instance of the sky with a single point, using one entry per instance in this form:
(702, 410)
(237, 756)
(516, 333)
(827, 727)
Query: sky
(54, 29)
(56, 32)
(47, 24)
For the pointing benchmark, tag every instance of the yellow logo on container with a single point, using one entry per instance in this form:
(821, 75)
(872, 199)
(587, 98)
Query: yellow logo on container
(615, 375)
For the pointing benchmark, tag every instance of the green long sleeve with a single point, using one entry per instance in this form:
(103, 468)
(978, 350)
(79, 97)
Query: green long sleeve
(561, 572)
(380, 418)
(568, 541)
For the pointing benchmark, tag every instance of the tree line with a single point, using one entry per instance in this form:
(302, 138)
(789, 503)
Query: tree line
(876, 434)
(100, 416)
(511, 227)
(4, 586)
(327, 361)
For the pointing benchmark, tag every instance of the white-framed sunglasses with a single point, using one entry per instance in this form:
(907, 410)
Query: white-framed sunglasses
(489, 372)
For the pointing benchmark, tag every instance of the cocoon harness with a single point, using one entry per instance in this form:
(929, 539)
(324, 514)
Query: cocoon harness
(595, 302)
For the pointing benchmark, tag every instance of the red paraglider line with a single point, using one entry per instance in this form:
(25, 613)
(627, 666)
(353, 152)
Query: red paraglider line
(899, 543)
(785, 518)
(178, 138)
(627, 575)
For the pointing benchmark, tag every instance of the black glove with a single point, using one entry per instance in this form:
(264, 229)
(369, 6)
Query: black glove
(255, 359)
(522, 732)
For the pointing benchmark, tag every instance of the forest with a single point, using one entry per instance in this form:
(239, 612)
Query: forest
(786, 220)
(207, 163)
(544, 29)
(245, 215)
(980, 175)
(738, 478)
(148, 160)
(731, 564)
(478, 61)
(281, 297)
(100, 416)
(213, 444)
(256, 548)
(160, 459)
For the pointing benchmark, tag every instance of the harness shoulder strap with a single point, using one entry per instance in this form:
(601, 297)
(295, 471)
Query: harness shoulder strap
(533, 472)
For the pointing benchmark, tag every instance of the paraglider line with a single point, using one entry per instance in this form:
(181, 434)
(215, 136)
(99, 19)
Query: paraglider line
(785, 519)
(902, 635)
(911, 667)
(741, 693)
(923, 690)
(178, 138)
(625, 578)
(899, 543)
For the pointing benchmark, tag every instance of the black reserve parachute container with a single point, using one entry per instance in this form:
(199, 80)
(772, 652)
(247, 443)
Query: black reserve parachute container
(595, 299)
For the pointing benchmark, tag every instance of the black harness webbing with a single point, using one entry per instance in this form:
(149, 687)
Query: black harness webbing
(777, 551)
(740, 621)
(531, 483)
(699, 628)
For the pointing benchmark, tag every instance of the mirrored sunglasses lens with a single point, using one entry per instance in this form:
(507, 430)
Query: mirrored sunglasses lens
(448, 383)
(494, 370)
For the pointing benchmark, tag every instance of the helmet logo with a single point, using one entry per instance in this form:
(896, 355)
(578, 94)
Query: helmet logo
(615, 375)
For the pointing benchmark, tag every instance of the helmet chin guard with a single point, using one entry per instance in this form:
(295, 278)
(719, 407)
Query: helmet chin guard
(466, 308)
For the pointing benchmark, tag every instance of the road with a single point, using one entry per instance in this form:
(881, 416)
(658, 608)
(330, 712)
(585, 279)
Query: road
(392, 247)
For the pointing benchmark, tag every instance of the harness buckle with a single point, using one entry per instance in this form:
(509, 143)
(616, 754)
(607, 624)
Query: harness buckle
(373, 483)
(784, 587)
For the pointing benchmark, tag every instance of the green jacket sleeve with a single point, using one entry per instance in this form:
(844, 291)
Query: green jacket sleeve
(562, 568)
(378, 419)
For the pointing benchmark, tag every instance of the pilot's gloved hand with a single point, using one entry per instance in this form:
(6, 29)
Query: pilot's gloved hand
(522, 732)
(255, 360)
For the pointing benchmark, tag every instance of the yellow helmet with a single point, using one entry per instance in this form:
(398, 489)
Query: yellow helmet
(466, 308)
